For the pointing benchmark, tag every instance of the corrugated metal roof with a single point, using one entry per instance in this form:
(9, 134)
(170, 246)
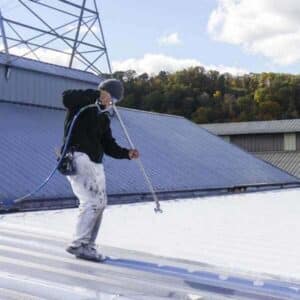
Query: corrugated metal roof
(248, 232)
(35, 266)
(56, 70)
(177, 154)
(276, 126)
(288, 161)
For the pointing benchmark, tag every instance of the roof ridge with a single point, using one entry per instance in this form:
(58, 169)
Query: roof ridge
(62, 109)
(31, 105)
(244, 122)
(151, 112)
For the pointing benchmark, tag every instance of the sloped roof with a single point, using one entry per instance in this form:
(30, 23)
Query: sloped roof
(37, 66)
(254, 127)
(177, 154)
(285, 160)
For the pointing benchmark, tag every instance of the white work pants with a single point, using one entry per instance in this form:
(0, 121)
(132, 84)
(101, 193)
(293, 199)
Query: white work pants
(89, 187)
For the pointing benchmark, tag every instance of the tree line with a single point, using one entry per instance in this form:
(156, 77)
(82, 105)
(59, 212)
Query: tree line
(209, 96)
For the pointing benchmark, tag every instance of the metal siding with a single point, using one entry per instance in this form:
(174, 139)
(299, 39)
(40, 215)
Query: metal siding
(226, 138)
(259, 142)
(32, 84)
(298, 141)
(3, 82)
(177, 154)
(289, 142)
(2, 78)
(14, 81)
(31, 87)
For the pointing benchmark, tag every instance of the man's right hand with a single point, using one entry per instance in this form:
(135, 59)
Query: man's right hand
(133, 154)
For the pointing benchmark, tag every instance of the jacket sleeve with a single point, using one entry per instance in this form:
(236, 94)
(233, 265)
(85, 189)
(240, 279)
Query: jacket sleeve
(74, 99)
(111, 147)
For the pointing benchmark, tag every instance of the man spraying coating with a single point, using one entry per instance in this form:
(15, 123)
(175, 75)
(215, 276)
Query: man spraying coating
(91, 138)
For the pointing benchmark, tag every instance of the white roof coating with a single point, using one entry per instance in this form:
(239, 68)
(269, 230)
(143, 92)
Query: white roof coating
(255, 232)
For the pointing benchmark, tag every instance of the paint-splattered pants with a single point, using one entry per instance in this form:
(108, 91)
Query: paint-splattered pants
(89, 187)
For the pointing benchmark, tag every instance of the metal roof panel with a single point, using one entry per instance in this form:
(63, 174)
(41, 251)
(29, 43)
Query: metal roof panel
(254, 127)
(177, 154)
(288, 161)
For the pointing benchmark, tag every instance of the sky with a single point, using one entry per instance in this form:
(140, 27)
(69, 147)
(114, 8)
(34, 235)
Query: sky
(237, 36)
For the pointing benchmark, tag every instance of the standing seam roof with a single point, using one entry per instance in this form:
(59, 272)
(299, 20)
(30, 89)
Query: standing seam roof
(255, 127)
(177, 155)
(288, 161)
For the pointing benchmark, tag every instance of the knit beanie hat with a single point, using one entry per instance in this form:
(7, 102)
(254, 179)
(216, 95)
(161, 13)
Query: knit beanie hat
(114, 87)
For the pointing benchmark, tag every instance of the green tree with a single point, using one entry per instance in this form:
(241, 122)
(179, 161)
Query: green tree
(208, 96)
(202, 115)
(247, 107)
(269, 110)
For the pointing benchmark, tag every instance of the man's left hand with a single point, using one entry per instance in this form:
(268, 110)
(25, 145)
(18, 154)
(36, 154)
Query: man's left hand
(133, 154)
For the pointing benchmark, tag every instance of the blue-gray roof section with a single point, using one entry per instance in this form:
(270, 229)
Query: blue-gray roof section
(254, 127)
(285, 160)
(177, 154)
(42, 67)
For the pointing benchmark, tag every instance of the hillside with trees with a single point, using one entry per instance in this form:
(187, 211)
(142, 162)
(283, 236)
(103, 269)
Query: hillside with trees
(209, 97)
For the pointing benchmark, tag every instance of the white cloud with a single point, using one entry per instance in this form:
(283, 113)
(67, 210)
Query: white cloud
(171, 39)
(43, 54)
(150, 63)
(269, 27)
(154, 63)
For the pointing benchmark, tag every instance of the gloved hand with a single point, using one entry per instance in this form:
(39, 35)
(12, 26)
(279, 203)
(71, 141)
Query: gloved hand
(133, 154)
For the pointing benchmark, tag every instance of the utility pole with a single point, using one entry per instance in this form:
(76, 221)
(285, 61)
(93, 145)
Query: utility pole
(77, 33)
(58, 26)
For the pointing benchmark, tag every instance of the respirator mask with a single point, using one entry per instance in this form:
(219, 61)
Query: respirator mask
(103, 108)
(116, 90)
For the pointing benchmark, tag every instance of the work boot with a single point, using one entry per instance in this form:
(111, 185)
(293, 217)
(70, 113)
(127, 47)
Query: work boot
(85, 251)
(94, 251)
(75, 249)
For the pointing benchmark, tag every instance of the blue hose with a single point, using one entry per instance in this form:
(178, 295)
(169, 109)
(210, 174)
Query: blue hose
(9, 203)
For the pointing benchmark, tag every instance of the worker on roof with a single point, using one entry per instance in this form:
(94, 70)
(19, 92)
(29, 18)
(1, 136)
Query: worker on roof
(90, 139)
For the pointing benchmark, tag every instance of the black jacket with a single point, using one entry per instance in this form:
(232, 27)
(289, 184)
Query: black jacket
(91, 133)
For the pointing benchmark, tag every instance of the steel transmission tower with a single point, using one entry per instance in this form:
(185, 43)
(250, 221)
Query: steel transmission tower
(64, 32)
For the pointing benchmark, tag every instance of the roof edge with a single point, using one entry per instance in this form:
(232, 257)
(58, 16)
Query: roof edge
(247, 122)
(131, 198)
(150, 112)
(231, 128)
(32, 105)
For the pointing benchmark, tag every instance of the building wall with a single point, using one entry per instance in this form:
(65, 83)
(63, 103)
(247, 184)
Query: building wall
(259, 142)
(289, 142)
(33, 87)
(298, 141)
(226, 138)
